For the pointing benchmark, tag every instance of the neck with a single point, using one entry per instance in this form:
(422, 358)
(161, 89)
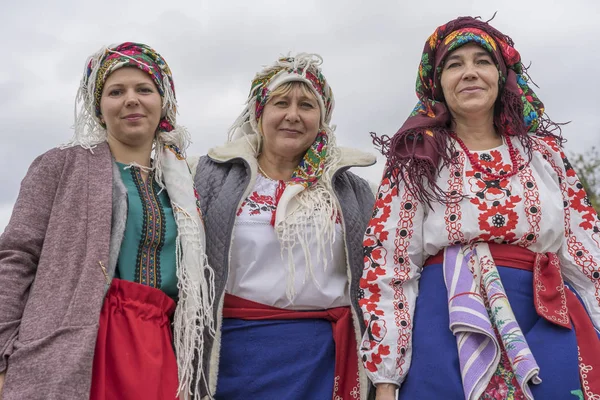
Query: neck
(277, 167)
(477, 134)
(127, 154)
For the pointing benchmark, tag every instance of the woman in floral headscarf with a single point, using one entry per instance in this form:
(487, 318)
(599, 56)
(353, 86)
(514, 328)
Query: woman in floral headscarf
(104, 250)
(283, 217)
(480, 214)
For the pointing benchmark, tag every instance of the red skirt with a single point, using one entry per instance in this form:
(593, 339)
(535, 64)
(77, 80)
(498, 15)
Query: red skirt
(134, 357)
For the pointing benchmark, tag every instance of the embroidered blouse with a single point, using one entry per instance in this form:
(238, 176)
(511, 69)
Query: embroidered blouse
(543, 207)
(147, 253)
(259, 272)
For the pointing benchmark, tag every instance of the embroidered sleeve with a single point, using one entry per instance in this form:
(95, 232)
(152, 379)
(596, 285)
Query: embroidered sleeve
(580, 251)
(21, 245)
(389, 286)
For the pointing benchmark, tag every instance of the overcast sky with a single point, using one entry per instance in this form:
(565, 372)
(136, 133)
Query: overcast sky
(371, 50)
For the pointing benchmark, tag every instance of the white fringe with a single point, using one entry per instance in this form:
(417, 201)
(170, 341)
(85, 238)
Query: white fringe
(313, 221)
(194, 313)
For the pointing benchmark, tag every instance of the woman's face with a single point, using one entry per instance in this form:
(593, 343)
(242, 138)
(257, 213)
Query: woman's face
(131, 107)
(470, 82)
(290, 123)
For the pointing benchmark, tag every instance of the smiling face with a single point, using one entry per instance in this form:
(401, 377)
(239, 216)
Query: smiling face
(470, 82)
(131, 108)
(290, 122)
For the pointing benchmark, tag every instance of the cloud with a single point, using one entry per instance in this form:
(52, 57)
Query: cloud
(371, 52)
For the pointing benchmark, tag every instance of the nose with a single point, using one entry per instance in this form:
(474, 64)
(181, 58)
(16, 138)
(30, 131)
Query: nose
(292, 114)
(470, 72)
(131, 98)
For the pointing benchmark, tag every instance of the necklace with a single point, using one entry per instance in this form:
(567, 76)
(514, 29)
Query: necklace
(477, 166)
(262, 171)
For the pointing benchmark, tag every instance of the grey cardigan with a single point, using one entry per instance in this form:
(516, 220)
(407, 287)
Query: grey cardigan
(57, 255)
(224, 178)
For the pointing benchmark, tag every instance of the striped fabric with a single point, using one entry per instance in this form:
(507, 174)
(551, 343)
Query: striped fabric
(478, 309)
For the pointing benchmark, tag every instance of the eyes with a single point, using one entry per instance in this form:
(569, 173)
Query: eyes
(456, 63)
(119, 91)
(304, 104)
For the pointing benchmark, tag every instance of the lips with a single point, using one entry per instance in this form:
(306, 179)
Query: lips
(291, 131)
(471, 89)
(133, 117)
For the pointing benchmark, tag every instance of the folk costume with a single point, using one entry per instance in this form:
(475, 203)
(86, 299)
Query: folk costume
(107, 291)
(285, 257)
(482, 279)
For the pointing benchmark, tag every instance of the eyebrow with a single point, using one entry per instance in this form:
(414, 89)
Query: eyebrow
(119, 84)
(478, 54)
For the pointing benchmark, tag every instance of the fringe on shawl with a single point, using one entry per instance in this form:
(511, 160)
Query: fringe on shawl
(313, 221)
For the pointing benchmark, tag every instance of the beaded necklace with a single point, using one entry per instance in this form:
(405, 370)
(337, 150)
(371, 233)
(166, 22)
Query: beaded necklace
(477, 166)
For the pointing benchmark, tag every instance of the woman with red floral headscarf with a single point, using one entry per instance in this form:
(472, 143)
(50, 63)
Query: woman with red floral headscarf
(105, 288)
(482, 258)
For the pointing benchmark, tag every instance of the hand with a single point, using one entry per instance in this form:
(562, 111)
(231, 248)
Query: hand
(385, 391)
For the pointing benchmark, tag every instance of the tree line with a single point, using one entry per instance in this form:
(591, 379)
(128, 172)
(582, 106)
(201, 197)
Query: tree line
(587, 166)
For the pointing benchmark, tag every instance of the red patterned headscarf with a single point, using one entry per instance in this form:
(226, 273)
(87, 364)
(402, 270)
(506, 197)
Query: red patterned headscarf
(89, 127)
(139, 56)
(422, 146)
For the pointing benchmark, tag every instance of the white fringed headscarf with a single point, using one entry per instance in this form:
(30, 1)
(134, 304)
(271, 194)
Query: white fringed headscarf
(194, 313)
(307, 209)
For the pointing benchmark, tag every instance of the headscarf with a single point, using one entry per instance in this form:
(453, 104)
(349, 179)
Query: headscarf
(308, 201)
(422, 144)
(194, 312)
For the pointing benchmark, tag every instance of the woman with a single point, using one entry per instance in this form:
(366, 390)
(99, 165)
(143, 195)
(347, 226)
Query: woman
(98, 260)
(283, 217)
(470, 217)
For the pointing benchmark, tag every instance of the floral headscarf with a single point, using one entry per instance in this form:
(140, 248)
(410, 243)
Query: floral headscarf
(194, 313)
(423, 140)
(301, 68)
(307, 201)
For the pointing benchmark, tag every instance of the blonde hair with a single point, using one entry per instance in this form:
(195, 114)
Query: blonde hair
(287, 87)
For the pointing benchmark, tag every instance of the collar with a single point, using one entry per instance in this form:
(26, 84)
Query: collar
(243, 148)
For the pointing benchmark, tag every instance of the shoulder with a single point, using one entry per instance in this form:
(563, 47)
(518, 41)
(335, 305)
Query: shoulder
(49, 162)
(355, 180)
(212, 177)
(352, 158)
(547, 144)
(348, 183)
(60, 156)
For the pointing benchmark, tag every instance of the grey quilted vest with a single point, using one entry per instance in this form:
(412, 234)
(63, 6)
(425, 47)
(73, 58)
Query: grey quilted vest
(221, 186)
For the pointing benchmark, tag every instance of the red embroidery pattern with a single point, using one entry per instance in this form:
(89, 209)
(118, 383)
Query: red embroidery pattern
(533, 209)
(453, 213)
(375, 256)
(547, 155)
(568, 179)
(258, 204)
(498, 218)
(404, 233)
